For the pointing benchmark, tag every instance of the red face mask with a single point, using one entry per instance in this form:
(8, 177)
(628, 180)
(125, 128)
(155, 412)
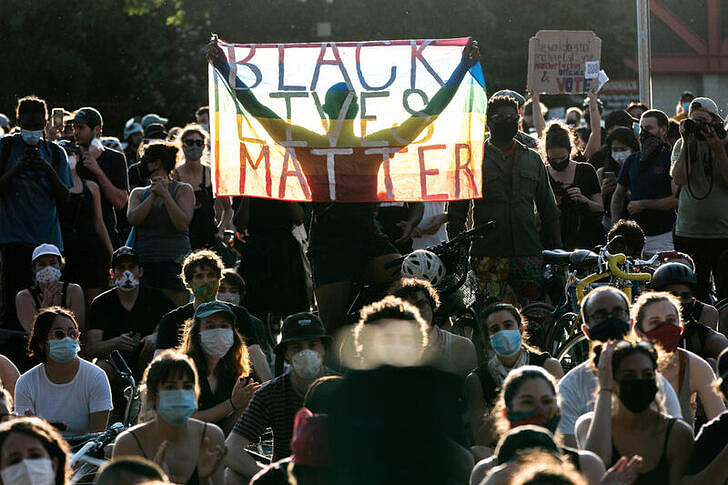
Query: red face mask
(667, 335)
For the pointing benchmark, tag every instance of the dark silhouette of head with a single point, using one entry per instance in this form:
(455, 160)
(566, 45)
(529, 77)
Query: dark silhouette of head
(335, 99)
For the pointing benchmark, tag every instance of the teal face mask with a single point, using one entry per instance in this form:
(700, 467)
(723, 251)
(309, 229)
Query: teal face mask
(63, 350)
(506, 342)
(176, 406)
(206, 292)
(31, 137)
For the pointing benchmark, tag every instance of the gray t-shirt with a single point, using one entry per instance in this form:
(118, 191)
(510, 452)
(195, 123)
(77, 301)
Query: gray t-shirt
(576, 391)
(706, 218)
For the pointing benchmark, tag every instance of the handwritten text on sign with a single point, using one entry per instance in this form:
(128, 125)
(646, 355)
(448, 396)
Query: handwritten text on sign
(557, 58)
(348, 122)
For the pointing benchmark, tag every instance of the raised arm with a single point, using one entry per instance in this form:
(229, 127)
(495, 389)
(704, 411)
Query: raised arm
(408, 131)
(539, 123)
(595, 124)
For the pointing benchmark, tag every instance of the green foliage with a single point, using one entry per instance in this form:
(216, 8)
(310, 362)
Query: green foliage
(130, 57)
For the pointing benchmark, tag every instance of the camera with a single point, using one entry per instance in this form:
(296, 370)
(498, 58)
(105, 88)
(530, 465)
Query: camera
(696, 127)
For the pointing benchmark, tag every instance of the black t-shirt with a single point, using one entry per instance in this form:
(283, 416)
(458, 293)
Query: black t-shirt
(171, 326)
(113, 164)
(580, 226)
(709, 443)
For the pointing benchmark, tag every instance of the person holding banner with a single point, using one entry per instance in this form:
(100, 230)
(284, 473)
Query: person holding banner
(345, 244)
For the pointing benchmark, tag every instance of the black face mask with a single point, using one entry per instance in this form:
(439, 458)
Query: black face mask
(559, 165)
(649, 145)
(637, 394)
(503, 131)
(610, 329)
(687, 310)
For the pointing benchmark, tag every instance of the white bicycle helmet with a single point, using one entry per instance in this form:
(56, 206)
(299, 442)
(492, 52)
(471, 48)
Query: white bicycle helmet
(424, 264)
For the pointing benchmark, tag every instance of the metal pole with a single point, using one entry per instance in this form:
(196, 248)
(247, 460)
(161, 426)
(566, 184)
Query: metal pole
(643, 51)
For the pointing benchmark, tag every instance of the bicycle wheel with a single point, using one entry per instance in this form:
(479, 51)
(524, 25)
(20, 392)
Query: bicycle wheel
(561, 331)
(573, 352)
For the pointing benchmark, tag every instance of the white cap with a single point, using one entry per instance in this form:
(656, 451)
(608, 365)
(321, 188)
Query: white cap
(45, 249)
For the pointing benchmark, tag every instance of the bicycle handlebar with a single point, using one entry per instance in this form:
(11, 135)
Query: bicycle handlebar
(614, 260)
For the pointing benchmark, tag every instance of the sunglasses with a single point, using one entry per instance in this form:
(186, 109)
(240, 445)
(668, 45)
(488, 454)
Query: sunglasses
(59, 334)
(191, 143)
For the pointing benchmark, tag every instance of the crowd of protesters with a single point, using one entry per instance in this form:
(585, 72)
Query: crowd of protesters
(238, 337)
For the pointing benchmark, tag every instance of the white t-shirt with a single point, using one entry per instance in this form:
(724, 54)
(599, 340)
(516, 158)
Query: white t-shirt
(71, 403)
(576, 396)
(432, 209)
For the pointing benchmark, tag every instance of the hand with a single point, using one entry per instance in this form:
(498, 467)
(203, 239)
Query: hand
(635, 206)
(89, 161)
(215, 55)
(609, 184)
(50, 294)
(576, 195)
(711, 138)
(605, 371)
(472, 51)
(592, 98)
(435, 224)
(624, 472)
(242, 393)
(686, 138)
(160, 186)
(407, 229)
(124, 342)
(149, 343)
(209, 460)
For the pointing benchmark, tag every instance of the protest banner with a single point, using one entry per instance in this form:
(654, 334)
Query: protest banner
(557, 60)
(347, 121)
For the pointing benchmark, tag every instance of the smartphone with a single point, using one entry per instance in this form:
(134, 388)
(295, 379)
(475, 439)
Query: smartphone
(57, 117)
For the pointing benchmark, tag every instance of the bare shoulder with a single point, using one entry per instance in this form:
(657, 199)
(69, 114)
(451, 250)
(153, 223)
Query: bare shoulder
(681, 435)
(212, 431)
(93, 187)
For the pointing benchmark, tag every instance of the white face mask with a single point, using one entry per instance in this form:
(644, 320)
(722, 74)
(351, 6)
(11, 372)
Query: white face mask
(308, 364)
(217, 341)
(127, 281)
(233, 298)
(49, 274)
(32, 471)
(620, 157)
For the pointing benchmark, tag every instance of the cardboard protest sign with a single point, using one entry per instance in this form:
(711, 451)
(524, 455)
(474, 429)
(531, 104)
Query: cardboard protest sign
(557, 60)
(347, 121)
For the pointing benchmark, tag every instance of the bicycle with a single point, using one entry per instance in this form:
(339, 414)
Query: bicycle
(564, 339)
(88, 449)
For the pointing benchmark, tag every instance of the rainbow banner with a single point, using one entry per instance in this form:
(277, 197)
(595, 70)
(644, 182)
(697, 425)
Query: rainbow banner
(347, 121)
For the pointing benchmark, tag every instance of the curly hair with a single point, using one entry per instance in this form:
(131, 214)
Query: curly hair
(389, 307)
(51, 440)
(235, 363)
(162, 151)
(42, 325)
(497, 101)
(407, 288)
(201, 257)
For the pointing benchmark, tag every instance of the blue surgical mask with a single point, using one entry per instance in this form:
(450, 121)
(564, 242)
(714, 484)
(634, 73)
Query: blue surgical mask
(636, 128)
(506, 342)
(176, 406)
(686, 107)
(63, 350)
(31, 137)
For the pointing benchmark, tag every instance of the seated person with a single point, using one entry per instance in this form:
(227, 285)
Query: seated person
(125, 317)
(32, 451)
(130, 470)
(201, 273)
(303, 345)
(8, 374)
(631, 242)
(505, 330)
(48, 289)
(189, 450)
(63, 389)
(221, 358)
(451, 353)
(698, 336)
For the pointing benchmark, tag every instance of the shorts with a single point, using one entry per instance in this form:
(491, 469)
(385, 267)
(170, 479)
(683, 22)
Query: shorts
(516, 280)
(163, 275)
(340, 249)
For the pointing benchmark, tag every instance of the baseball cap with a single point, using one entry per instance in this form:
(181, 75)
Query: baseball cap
(124, 252)
(301, 326)
(509, 93)
(132, 128)
(523, 438)
(723, 364)
(212, 307)
(706, 104)
(152, 118)
(89, 116)
(155, 131)
(45, 248)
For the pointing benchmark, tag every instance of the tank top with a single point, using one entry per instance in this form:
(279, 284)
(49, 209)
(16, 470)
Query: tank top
(444, 348)
(660, 473)
(202, 226)
(157, 240)
(194, 479)
(36, 294)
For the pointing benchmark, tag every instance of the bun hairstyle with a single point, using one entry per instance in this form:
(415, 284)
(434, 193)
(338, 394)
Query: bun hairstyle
(557, 135)
(163, 151)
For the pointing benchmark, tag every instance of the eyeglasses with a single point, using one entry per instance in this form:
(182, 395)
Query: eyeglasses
(59, 334)
(501, 117)
(600, 316)
(191, 143)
